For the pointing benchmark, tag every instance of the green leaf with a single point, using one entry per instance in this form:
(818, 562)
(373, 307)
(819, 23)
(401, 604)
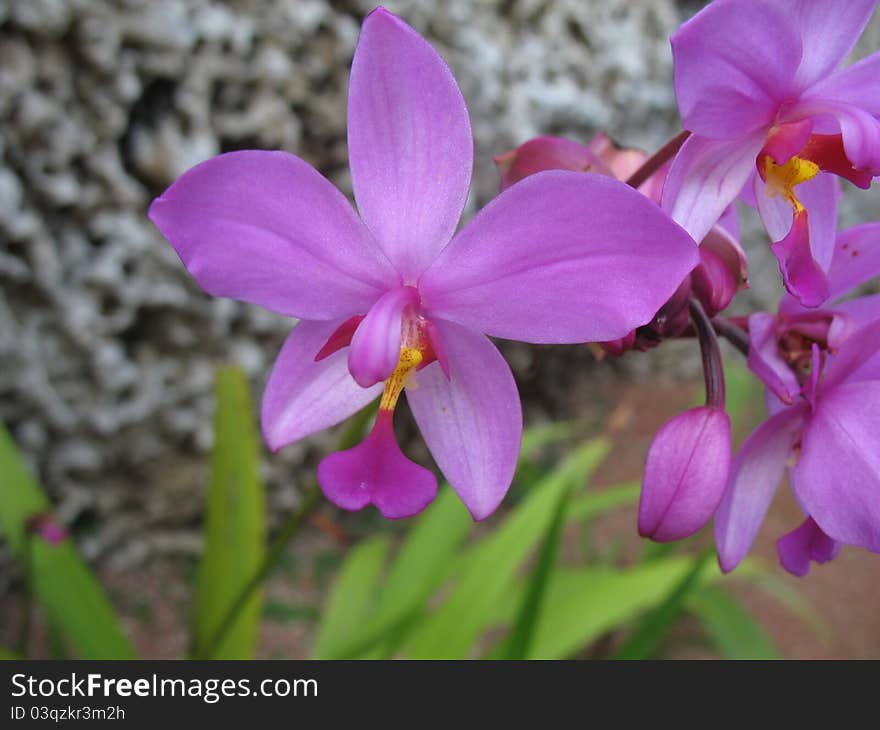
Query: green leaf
(599, 502)
(584, 604)
(65, 587)
(546, 434)
(235, 527)
(8, 655)
(351, 598)
(520, 639)
(732, 631)
(489, 569)
(653, 629)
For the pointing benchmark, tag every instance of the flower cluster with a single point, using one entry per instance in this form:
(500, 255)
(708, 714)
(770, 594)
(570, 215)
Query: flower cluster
(584, 243)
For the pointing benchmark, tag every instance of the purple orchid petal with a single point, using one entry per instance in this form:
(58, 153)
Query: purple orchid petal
(409, 142)
(376, 472)
(801, 274)
(686, 471)
(829, 30)
(856, 258)
(859, 128)
(735, 61)
(786, 140)
(820, 196)
(548, 261)
(706, 177)
(858, 358)
(804, 544)
(857, 313)
(375, 346)
(857, 85)
(304, 396)
(838, 472)
(754, 477)
(471, 421)
(267, 228)
(766, 362)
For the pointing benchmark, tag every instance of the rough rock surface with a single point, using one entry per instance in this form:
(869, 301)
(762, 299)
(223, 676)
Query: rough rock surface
(107, 349)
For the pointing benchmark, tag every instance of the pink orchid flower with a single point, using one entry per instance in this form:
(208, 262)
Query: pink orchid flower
(394, 298)
(759, 85)
(822, 372)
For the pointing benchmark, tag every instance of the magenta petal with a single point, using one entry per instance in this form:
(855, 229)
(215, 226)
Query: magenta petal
(857, 85)
(686, 472)
(409, 142)
(549, 261)
(829, 30)
(546, 153)
(735, 61)
(837, 477)
(472, 420)
(856, 258)
(804, 544)
(766, 362)
(755, 474)
(267, 228)
(801, 274)
(376, 472)
(375, 347)
(859, 129)
(857, 359)
(304, 396)
(706, 177)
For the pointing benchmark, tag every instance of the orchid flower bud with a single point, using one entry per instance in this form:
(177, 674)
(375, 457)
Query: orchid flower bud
(686, 472)
(722, 271)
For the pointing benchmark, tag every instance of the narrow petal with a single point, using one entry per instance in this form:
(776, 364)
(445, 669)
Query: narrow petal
(856, 258)
(837, 477)
(409, 142)
(801, 274)
(549, 261)
(376, 472)
(755, 474)
(765, 360)
(375, 346)
(734, 63)
(304, 396)
(858, 85)
(472, 420)
(805, 544)
(707, 176)
(828, 29)
(686, 471)
(267, 228)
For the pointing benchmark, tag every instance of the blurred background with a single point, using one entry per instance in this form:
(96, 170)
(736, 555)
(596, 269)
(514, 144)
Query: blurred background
(108, 351)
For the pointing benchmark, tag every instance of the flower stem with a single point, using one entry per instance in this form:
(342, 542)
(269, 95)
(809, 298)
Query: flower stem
(733, 333)
(658, 159)
(713, 366)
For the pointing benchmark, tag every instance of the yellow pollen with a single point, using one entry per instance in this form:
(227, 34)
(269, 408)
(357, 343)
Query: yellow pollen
(410, 359)
(781, 179)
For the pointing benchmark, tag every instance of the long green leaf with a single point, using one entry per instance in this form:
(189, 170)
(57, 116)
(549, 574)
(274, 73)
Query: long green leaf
(597, 503)
(584, 604)
(235, 526)
(655, 626)
(351, 599)
(65, 587)
(489, 569)
(732, 631)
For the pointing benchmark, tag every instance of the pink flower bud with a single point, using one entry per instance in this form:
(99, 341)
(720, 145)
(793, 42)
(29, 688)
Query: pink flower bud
(722, 271)
(686, 473)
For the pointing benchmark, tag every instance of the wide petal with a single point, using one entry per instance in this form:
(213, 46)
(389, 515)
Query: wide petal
(409, 141)
(686, 472)
(858, 85)
(856, 258)
(549, 261)
(267, 228)
(304, 396)
(754, 477)
(707, 176)
(857, 359)
(734, 62)
(375, 346)
(837, 477)
(828, 29)
(470, 420)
